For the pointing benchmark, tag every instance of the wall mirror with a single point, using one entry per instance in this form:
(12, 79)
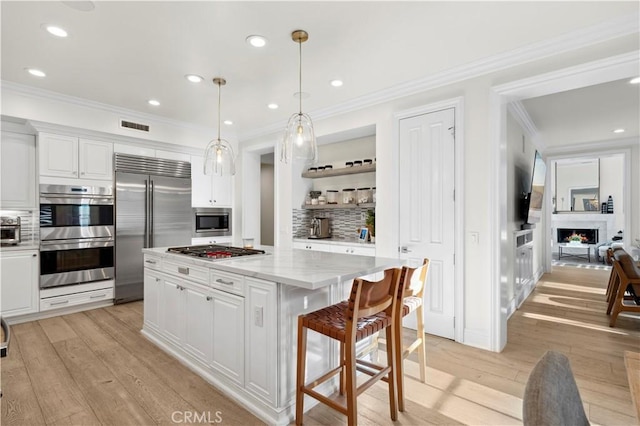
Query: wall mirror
(576, 185)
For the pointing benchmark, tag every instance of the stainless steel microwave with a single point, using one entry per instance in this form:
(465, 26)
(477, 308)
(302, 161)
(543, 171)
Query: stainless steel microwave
(211, 222)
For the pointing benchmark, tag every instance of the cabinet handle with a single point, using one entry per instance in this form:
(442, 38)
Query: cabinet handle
(183, 270)
(64, 302)
(209, 298)
(34, 255)
(221, 281)
(98, 296)
(153, 262)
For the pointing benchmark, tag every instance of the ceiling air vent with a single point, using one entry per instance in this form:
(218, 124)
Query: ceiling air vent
(135, 126)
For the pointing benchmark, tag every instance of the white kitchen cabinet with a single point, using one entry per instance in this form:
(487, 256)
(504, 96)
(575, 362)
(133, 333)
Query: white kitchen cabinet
(19, 282)
(199, 322)
(71, 157)
(173, 304)
(312, 246)
(212, 240)
(261, 339)
(18, 169)
(152, 296)
(357, 249)
(228, 335)
(361, 250)
(209, 190)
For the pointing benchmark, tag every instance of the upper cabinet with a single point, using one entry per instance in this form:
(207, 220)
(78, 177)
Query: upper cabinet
(72, 157)
(18, 169)
(209, 190)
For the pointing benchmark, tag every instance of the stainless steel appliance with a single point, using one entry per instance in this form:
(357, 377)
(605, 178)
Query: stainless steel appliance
(211, 222)
(9, 230)
(153, 209)
(213, 252)
(319, 228)
(76, 234)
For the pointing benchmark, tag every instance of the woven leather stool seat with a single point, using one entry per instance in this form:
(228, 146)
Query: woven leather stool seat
(332, 320)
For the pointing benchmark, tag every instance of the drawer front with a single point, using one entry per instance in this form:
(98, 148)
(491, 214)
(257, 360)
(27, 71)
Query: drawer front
(152, 262)
(231, 283)
(76, 299)
(194, 273)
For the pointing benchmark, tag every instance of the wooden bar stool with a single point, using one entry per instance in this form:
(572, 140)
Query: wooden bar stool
(412, 283)
(371, 308)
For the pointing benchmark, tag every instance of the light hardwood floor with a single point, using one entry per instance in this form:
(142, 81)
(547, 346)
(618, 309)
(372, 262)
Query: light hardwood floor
(96, 368)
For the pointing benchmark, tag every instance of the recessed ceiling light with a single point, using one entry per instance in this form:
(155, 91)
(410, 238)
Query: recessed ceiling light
(618, 131)
(256, 41)
(228, 122)
(193, 78)
(36, 72)
(82, 6)
(336, 83)
(273, 106)
(53, 30)
(635, 80)
(154, 102)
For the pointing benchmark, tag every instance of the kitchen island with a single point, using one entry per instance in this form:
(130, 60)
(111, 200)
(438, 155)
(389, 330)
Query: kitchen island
(234, 321)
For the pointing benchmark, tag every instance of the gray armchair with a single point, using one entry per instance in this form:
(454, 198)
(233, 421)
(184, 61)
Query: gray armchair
(551, 395)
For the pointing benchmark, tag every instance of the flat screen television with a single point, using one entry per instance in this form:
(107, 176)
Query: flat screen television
(535, 197)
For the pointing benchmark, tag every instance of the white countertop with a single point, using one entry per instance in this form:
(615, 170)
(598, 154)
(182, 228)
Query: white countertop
(300, 268)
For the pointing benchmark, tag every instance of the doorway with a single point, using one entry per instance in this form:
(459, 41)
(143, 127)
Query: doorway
(267, 176)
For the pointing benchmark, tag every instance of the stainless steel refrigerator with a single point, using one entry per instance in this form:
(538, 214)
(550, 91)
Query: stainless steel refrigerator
(153, 209)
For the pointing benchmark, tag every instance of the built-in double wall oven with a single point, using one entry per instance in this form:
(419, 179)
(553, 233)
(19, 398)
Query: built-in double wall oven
(76, 235)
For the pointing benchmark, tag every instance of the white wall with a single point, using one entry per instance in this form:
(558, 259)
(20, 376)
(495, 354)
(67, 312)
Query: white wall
(612, 183)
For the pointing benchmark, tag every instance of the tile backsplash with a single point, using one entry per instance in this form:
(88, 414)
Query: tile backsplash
(345, 223)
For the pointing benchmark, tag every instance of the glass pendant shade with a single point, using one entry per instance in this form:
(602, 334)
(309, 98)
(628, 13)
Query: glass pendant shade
(299, 142)
(219, 158)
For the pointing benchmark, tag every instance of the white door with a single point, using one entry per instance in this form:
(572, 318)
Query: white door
(18, 169)
(427, 219)
(58, 155)
(228, 335)
(199, 329)
(200, 184)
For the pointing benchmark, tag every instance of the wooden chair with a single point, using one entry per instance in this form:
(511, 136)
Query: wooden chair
(412, 285)
(610, 257)
(371, 308)
(627, 281)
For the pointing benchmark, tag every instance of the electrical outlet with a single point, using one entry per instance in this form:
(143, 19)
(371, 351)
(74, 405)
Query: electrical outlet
(257, 316)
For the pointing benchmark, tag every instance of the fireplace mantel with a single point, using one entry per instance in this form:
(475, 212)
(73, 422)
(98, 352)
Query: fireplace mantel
(604, 223)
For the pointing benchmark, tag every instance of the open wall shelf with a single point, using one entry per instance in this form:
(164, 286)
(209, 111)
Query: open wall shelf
(340, 172)
(338, 206)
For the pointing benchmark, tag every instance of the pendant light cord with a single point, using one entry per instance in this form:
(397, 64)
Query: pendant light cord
(300, 75)
(219, 112)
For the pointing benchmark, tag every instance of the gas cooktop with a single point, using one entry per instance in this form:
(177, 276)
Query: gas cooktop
(214, 251)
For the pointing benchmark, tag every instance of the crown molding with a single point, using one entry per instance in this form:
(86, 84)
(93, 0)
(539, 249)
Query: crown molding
(610, 29)
(520, 114)
(597, 146)
(123, 113)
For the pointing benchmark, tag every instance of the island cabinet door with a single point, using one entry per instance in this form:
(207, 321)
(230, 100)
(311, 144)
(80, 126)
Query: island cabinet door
(199, 323)
(261, 339)
(152, 296)
(228, 335)
(173, 309)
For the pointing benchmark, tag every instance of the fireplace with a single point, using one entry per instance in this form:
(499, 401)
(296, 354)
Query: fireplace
(590, 233)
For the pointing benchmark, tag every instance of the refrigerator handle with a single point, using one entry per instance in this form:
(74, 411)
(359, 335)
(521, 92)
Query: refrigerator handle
(146, 214)
(151, 207)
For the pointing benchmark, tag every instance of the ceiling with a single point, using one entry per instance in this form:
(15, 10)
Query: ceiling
(588, 114)
(125, 53)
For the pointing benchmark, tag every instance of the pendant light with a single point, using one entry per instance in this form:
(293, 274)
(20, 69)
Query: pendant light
(218, 156)
(299, 142)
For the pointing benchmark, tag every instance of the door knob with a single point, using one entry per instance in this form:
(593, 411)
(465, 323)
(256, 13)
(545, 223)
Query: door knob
(405, 249)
